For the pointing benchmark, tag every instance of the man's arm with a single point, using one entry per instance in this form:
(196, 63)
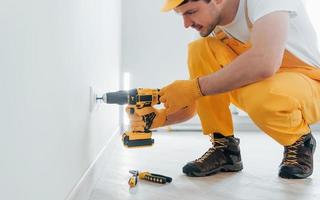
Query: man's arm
(268, 37)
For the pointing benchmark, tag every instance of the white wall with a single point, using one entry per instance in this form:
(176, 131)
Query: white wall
(154, 44)
(312, 7)
(50, 53)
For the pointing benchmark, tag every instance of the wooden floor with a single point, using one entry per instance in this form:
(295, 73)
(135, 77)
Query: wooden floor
(258, 180)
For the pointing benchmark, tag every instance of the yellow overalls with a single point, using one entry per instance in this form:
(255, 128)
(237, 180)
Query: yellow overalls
(283, 106)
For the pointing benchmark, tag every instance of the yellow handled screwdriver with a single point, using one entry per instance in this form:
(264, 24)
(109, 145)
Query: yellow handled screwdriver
(156, 178)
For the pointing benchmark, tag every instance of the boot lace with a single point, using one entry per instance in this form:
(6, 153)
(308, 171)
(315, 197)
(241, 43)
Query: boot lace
(290, 157)
(218, 143)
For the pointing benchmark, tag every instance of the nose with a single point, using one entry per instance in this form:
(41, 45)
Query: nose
(187, 21)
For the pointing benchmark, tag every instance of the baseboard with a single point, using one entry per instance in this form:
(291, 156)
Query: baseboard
(83, 189)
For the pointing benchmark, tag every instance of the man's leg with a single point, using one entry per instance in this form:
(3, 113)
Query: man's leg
(284, 106)
(206, 56)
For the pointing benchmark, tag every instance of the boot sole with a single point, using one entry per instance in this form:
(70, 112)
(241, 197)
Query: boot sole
(294, 176)
(226, 168)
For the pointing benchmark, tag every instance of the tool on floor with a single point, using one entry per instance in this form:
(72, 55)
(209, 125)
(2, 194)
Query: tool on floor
(156, 178)
(133, 180)
(136, 99)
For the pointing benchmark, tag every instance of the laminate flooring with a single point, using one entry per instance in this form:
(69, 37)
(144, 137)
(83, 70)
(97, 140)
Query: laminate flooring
(172, 150)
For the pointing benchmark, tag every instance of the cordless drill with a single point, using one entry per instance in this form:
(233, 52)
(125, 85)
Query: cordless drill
(136, 99)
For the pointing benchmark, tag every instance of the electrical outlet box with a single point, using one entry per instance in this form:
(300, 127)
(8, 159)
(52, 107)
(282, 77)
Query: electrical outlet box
(93, 98)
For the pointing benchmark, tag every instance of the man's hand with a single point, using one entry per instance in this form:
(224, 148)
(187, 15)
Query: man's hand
(180, 94)
(146, 118)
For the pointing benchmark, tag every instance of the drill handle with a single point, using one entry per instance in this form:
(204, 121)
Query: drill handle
(147, 117)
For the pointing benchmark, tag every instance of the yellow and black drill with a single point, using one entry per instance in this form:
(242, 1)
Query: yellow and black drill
(136, 99)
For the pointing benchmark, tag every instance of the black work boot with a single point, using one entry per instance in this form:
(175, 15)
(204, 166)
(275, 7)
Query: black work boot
(223, 156)
(297, 160)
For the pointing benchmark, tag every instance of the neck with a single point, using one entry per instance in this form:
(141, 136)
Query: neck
(229, 11)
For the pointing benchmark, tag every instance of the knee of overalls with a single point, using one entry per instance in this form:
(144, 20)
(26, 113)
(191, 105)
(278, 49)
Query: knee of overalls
(268, 103)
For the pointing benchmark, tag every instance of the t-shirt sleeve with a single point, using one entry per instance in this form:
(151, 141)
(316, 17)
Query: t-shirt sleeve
(260, 8)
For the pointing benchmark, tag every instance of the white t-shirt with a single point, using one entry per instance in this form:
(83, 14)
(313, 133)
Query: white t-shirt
(302, 38)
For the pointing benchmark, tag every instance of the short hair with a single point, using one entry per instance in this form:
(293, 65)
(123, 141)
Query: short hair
(186, 1)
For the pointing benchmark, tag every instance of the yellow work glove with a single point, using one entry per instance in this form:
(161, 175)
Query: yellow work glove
(146, 118)
(180, 94)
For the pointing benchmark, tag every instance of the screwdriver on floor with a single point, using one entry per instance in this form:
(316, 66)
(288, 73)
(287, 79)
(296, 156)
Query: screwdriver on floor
(156, 178)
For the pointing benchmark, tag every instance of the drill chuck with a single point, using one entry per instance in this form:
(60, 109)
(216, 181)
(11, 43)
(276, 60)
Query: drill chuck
(121, 97)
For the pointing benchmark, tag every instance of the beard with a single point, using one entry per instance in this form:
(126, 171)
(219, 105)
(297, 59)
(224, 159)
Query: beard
(210, 28)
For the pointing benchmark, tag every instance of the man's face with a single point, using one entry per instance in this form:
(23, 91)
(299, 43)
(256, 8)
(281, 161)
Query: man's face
(200, 15)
